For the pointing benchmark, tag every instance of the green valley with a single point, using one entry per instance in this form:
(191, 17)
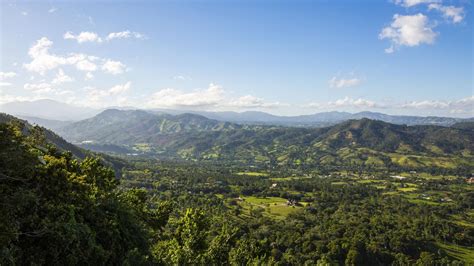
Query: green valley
(361, 192)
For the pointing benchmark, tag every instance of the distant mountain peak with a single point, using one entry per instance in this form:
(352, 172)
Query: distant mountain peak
(48, 109)
(114, 126)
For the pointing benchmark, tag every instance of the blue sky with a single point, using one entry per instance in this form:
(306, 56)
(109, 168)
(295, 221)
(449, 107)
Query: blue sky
(282, 57)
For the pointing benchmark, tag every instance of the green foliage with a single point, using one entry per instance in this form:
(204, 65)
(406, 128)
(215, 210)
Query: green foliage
(355, 223)
(57, 210)
(190, 243)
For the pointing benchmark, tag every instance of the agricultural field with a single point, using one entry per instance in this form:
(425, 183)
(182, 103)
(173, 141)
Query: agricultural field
(273, 207)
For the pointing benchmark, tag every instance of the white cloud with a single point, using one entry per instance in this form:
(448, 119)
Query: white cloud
(24, 13)
(119, 89)
(52, 10)
(389, 50)
(82, 37)
(87, 36)
(411, 30)
(61, 77)
(5, 98)
(212, 98)
(86, 65)
(83, 62)
(49, 89)
(5, 84)
(335, 82)
(249, 101)
(410, 3)
(89, 76)
(452, 13)
(7, 75)
(43, 60)
(426, 104)
(180, 77)
(124, 35)
(113, 67)
(465, 105)
(64, 92)
(346, 102)
(38, 88)
(107, 97)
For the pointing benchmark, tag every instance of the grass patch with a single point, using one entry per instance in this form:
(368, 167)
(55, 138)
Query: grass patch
(252, 173)
(281, 210)
(274, 207)
(289, 178)
(391, 193)
(406, 189)
(339, 183)
(263, 201)
(465, 254)
(429, 161)
(458, 219)
(369, 181)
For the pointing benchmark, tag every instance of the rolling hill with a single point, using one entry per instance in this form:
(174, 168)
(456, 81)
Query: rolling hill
(50, 136)
(63, 145)
(134, 126)
(193, 137)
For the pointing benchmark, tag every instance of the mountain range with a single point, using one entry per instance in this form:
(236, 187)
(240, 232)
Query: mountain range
(326, 118)
(53, 115)
(114, 126)
(48, 109)
(258, 138)
(195, 137)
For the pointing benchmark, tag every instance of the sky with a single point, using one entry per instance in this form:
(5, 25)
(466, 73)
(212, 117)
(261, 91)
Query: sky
(410, 57)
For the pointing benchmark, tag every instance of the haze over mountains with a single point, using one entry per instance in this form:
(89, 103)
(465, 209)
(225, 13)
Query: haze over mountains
(48, 109)
(53, 114)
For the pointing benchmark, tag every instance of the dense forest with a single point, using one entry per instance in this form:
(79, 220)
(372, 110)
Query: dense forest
(63, 208)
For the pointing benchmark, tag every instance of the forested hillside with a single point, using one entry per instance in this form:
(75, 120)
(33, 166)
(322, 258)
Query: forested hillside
(134, 126)
(39, 132)
(58, 210)
(364, 142)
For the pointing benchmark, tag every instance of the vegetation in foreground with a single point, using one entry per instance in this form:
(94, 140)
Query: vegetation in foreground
(58, 210)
